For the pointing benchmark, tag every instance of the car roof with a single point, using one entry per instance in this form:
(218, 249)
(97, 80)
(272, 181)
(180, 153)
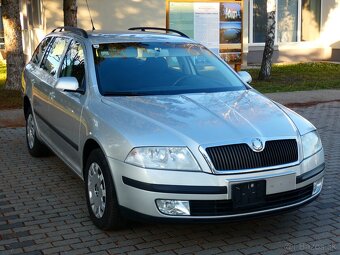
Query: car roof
(104, 36)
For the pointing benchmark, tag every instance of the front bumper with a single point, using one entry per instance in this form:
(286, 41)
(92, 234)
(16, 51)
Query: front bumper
(137, 216)
(210, 195)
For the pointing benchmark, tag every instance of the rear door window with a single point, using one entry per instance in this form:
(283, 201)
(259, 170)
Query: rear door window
(40, 50)
(53, 58)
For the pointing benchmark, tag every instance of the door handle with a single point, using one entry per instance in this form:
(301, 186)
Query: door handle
(52, 95)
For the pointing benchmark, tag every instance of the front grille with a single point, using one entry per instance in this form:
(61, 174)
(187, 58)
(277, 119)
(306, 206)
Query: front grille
(225, 207)
(241, 156)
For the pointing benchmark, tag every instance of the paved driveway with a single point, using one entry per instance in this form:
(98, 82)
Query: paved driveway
(43, 211)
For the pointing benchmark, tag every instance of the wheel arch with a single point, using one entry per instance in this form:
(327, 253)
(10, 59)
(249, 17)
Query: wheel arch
(27, 105)
(90, 145)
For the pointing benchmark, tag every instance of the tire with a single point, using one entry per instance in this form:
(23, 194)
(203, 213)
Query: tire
(101, 197)
(35, 147)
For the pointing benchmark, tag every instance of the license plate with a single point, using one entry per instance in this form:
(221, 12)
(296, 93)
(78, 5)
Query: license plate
(248, 194)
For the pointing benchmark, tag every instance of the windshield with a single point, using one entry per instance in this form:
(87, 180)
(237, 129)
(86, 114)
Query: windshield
(160, 69)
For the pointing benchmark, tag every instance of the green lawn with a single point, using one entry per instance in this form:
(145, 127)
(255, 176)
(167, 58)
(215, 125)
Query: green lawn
(9, 99)
(292, 77)
(297, 77)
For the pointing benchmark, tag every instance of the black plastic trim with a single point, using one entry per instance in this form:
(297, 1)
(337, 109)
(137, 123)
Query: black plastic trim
(201, 208)
(136, 216)
(75, 30)
(178, 189)
(240, 157)
(310, 174)
(143, 29)
(79, 91)
(65, 138)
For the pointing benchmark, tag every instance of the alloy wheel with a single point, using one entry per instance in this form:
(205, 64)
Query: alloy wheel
(30, 131)
(96, 190)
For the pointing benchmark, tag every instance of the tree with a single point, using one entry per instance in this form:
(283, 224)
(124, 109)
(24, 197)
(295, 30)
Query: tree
(266, 66)
(70, 12)
(13, 43)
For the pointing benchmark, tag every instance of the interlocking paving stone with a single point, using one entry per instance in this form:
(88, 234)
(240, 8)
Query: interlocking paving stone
(43, 211)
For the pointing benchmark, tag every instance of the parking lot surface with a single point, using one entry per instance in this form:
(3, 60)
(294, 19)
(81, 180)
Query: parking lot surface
(43, 211)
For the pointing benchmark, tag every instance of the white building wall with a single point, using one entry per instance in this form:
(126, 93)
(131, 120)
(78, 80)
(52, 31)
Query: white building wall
(122, 14)
(109, 14)
(330, 20)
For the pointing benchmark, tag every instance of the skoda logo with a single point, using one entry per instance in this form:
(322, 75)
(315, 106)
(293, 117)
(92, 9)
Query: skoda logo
(257, 145)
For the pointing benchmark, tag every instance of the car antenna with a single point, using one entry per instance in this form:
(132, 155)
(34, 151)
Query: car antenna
(87, 4)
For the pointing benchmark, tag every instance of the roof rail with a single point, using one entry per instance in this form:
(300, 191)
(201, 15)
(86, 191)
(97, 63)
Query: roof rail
(75, 30)
(159, 29)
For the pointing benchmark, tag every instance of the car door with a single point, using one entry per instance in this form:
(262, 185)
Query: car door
(46, 78)
(66, 107)
(40, 93)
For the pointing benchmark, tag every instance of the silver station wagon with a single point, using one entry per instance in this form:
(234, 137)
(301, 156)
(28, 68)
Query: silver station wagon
(161, 128)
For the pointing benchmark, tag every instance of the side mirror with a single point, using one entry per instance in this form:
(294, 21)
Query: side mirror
(245, 76)
(68, 84)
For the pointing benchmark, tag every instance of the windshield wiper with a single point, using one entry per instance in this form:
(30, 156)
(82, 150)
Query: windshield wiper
(125, 93)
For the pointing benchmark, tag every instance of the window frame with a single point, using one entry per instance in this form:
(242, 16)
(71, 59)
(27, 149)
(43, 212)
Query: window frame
(56, 75)
(83, 85)
(43, 56)
(276, 42)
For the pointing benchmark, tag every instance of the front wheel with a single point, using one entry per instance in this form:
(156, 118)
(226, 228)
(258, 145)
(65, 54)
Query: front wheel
(101, 197)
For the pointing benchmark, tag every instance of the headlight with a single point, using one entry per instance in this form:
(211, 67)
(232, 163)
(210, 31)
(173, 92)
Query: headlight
(170, 158)
(311, 143)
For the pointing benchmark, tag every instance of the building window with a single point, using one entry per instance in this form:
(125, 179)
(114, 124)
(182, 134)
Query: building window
(297, 20)
(30, 14)
(23, 14)
(36, 11)
(259, 21)
(287, 20)
(310, 20)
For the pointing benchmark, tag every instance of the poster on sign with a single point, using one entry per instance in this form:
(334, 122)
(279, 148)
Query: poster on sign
(206, 22)
(215, 24)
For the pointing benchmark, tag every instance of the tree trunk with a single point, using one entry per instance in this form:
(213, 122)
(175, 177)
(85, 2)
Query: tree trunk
(266, 66)
(70, 13)
(13, 43)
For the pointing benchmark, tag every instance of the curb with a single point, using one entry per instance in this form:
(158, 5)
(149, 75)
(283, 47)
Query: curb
(12, 118)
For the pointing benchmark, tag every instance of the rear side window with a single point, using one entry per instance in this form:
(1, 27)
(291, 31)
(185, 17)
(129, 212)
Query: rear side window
(40, 50)
(73, 64)
(54, 55)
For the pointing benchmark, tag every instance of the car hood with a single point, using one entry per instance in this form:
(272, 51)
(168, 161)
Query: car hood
(205, 118)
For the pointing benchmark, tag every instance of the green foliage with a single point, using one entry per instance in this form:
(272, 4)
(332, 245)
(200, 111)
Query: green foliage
(2, 75)
(299, 77)
(9, 99)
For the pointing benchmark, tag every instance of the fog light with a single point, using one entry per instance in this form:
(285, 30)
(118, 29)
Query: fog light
(317, 186)
(173, 207)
